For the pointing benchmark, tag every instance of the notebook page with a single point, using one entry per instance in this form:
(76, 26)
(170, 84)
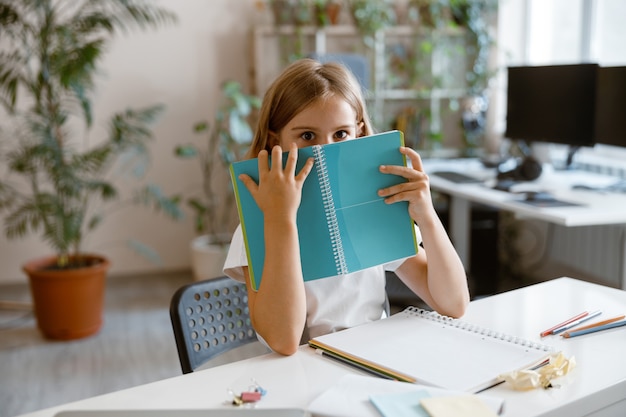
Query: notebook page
(449, 354)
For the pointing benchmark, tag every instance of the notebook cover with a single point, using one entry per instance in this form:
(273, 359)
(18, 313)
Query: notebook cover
(371, 232)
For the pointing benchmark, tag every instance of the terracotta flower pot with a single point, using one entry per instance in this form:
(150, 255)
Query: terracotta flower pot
(68, 303)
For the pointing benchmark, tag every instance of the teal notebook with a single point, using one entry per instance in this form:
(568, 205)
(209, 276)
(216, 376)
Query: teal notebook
(343, 225)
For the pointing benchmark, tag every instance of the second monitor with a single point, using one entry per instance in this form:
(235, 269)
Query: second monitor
(554, 103)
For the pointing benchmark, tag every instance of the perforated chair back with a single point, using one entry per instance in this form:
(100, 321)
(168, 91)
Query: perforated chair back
(209, 318)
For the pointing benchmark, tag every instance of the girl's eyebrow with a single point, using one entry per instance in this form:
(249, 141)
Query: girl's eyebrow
(342, 127)
(303, 128)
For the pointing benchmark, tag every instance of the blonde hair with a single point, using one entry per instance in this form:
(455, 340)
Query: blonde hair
(300, 84)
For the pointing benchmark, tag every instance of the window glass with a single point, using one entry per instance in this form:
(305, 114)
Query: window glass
(555, 32)
(608, 36)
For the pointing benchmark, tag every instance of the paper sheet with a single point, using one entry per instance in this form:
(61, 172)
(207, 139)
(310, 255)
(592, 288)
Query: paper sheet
(461, 405)
(350, 396)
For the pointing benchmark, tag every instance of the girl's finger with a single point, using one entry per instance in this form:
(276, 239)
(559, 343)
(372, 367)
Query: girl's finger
(277, 157)
(416, 160)
(263, 163)
(249, 183)
(292, 159)
(306, 170)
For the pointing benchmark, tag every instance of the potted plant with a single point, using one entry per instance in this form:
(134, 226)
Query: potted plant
(327, 12)
(223, 141)
(477, 17)
(56, 184)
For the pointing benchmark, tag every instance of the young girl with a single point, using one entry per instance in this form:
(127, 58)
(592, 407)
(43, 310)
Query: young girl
(314, 104)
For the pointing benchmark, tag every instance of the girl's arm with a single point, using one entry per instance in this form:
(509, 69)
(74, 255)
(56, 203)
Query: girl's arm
(278, 308)
(435, 274)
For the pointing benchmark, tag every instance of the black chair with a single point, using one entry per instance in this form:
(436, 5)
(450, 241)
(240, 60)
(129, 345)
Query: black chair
(209, 318)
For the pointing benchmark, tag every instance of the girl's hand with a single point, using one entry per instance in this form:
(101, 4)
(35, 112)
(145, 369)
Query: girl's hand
(279, 191)
(416, 190)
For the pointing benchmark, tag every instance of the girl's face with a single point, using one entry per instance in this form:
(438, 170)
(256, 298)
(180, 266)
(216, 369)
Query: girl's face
(323, 121)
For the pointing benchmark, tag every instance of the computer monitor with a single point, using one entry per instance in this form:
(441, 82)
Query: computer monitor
(554, 103)
(610, 113)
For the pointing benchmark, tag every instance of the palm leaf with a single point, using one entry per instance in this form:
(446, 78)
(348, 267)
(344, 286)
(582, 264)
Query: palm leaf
(49, 53)
(152, 196)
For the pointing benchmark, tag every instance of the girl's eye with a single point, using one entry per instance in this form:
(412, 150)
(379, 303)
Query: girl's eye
(308, 136)
(341, 135)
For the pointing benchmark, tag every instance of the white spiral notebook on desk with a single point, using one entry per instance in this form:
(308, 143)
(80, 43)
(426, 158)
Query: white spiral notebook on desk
(424, 347)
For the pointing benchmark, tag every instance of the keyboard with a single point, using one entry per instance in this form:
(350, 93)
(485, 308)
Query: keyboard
(618, 187)
(456, 177)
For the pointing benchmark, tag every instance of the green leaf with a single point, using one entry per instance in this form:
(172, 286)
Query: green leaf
(151, 195)
(197, 205)
(200, 127)
(240, 130)
(255, 101)
(186, 151)
(93, 20)
(95, 221)
(145, 251)
(231, 88)
(242, 104)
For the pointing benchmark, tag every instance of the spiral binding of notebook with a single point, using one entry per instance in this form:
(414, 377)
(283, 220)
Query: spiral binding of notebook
(460, 324)
(329, 209)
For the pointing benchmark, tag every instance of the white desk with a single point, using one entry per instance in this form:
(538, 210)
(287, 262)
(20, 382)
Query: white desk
(597, 383)
(595, 208)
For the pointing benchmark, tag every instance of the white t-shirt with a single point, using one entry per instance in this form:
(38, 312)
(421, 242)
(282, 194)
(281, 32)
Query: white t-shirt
(333, 303)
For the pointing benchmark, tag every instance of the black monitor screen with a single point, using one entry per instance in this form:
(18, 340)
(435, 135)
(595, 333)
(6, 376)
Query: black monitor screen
(552, 103)
(611, 106)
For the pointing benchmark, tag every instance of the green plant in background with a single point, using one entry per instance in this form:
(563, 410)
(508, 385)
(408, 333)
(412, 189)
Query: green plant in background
(295, 13)
(404, 66)
(56, 182)
(370, 16)
(476, 16)
(326, 12)
(433, 14)
(224, 141)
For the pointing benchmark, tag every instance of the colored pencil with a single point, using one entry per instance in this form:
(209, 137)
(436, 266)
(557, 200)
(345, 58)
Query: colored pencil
(598, 328)
(568, 321)
(576, 322)
(592, 325)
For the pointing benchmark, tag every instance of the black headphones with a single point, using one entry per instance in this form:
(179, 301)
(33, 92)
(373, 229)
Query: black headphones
(528, 169)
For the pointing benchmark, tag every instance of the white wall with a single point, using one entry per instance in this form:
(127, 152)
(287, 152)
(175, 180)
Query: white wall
(181, 66)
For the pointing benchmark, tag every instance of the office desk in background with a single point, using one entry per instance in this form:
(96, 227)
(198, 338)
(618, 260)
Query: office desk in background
(597, 385)
(595, 208)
